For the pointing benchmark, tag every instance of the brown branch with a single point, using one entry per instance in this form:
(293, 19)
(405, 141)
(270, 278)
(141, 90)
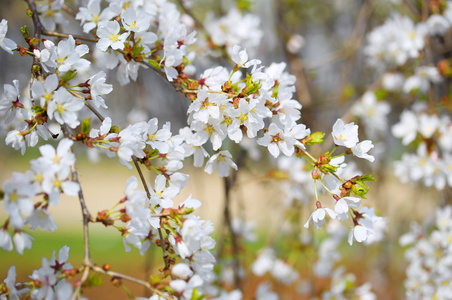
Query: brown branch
(162, 241)
(36, 69)
(69, 10)
(358, 34)
(296, 65)
(86, 217)
(84, 277)
(131, 279)
(140, 173)
(65, 35)
(35, 17)
(87, 104)
(228, 221)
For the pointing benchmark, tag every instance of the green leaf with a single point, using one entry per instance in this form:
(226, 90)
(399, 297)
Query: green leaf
(359, 190)
(367, 177)
(329, 168)
(381, 94)
(86, 125)
(25, 33)
(37, 109)
(114, 129)
(94, 280)
(68, 77)
(154, 63)
(137, 50)
(316, 138)
(244, 5)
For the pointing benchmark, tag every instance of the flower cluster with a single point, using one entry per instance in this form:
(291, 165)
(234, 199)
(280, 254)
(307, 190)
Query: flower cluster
(429, 256)
(234, 29)
(49, 176)
(395, 42)
(250, 103)
(48, 282)
(432, 162)
(149, 31)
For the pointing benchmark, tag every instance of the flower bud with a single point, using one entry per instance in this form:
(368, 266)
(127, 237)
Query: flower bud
(116, 281)
(347, 185)
(315, 174)
(324, 159)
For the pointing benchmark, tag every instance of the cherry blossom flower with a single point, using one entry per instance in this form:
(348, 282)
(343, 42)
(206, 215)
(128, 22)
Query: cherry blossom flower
(135, 21)
(110, 37)
(407, 128)
(5, 43)
(240, 57)
(18, 192)
(12, 101)
(181, 270)
(342, 206)
(360, 150)
(22, 241)
(205, 105)
(198, 152)
(41, 218)
(222, 162)
(213, 129)
(64, 108)
(234, 28)
(51, 14)
(17, 140)
(5, 240)
(345, 134)
(373, 113)
(45, 92)
(161, 194)
(10, 281)
(277, 140)
(98, 87)
(318, 216)
(91, 15)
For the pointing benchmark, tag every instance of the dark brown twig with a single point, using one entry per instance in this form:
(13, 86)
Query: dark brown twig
(162, 241)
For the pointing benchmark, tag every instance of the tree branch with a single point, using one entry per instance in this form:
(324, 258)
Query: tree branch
(131, 279)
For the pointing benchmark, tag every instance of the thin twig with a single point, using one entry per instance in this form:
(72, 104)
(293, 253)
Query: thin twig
(162, 241)
(306, 153)
(131, 279)
(86, 217)
(143, 180)
(84, 277)
(69, 10)
(94, 111)
(228, 221)
(87, 104)
(65, 35)
(314, 161)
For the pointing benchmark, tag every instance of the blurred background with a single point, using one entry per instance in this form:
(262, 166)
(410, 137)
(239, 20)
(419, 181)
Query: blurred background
(322, 43)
